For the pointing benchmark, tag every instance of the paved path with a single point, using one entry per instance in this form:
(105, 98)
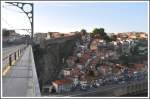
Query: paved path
(19, 80)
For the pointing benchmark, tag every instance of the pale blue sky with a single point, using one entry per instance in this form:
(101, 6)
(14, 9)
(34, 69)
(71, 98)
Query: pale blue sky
(73, 16)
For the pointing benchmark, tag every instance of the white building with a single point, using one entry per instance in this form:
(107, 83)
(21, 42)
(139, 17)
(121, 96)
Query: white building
(83, 83)
(62, 85)
(75, 80)
(67, 71)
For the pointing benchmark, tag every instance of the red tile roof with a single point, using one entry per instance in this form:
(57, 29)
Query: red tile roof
(64, 81)
(138, 66)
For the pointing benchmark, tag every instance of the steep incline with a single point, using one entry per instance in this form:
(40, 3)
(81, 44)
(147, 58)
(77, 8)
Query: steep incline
(50, 57)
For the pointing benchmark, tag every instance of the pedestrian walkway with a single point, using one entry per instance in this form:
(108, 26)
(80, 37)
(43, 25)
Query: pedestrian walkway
(20, 81)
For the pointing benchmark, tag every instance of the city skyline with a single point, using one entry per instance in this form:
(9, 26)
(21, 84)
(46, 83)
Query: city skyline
(66, 17)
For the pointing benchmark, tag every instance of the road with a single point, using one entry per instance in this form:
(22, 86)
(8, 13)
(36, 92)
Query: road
(100, 91)
(91, 90)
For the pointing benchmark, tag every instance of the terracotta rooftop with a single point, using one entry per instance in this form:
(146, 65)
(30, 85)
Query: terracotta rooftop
(64, 81)
(138, 66)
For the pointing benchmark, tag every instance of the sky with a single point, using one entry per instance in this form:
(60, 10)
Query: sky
(67, 17)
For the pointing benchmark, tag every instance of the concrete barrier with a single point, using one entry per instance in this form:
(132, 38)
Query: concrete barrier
(34, 78)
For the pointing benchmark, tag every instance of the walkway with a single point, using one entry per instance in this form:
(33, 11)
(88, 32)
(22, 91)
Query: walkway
(22, 79)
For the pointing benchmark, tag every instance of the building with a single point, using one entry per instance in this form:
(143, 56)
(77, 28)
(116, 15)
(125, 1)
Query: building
(83, 83)
(103, 70)
(80, 66)
(64, 85)
(40, 36)
(132, 35)
(54, 34)
(67, 71)
(10, 35)
(14, 37)
(122, 36)
(70, 61)
(125, 47)
(139, 67)
(75, 80)
(143, 35)
(93, 45)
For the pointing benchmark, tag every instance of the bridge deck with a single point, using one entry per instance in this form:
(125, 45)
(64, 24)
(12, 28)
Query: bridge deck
(19, 80)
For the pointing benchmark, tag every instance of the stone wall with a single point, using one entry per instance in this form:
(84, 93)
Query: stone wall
(125, 90)
(50, 57)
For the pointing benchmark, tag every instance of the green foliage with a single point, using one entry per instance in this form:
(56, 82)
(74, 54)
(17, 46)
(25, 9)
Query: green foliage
(125, 59)
(83, 31)
(96, 31)
(136, 49)
(114, 37)
(62, 35)
(100, 33)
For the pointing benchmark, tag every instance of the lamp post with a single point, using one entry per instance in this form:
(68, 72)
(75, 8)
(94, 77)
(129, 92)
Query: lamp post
(28, 12)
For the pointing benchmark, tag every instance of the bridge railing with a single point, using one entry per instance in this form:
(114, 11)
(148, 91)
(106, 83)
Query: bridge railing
(11, 59)
(36, 87)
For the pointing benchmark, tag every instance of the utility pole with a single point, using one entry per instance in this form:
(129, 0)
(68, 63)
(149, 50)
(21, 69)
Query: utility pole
(30, 13)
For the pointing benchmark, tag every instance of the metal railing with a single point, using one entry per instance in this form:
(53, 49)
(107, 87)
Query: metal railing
(11, 58)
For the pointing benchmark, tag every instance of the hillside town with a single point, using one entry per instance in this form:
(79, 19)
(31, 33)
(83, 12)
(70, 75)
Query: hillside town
(96, 63)
(74, 49)
(11, 37)
(98, 59)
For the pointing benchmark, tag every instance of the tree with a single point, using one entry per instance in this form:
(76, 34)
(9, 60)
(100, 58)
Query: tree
(125, 59)
(5, 32)
(83, 32)
(114, 37)
(100, 33)
(96, 33)
(62, 35)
